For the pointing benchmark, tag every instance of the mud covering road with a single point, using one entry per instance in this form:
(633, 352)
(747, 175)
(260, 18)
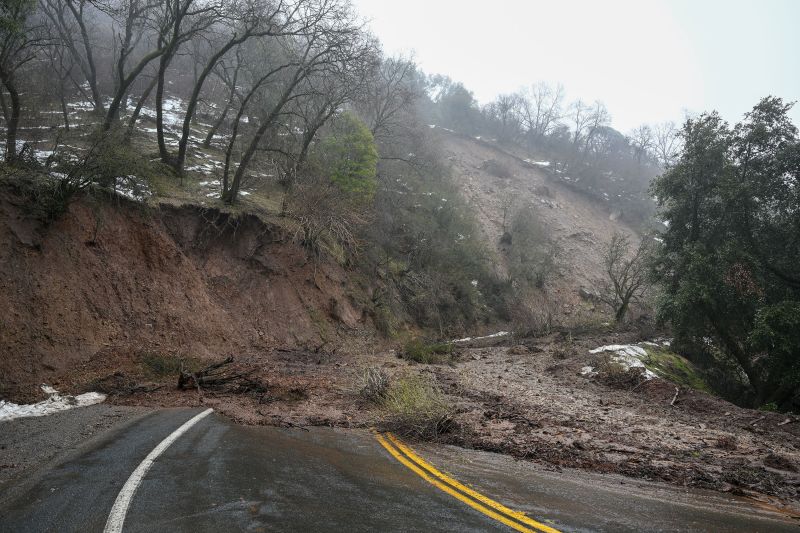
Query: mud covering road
(220, 476)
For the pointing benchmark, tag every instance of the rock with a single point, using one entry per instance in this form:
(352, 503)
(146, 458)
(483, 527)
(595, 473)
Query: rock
(587, 294)
(519, 349)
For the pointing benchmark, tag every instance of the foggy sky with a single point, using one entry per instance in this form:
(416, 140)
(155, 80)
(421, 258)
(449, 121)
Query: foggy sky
(648, 60)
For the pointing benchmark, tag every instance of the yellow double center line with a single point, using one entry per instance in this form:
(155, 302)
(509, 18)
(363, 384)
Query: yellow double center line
(445, 483)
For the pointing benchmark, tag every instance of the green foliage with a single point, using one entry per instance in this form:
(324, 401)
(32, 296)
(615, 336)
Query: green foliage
(350, 156)
(13, 14)
(727, 266)
(675, 368)
(769, 407)
(109, 157)
(533, 259)
(776, 333)
(416, 408)
(456, 106)
(432, 266)
(44, 198)
(422, 352)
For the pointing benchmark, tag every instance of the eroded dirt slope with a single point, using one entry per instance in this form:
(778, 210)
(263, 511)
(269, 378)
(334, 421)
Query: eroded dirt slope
(106, 282)
(580, 227)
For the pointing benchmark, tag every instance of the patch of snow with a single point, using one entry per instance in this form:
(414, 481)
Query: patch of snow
(627, 355)
(628, 349)
(492, 336)
(538, 163)
(132, 187)
(588, 371)
(54, 403)
(474, 282)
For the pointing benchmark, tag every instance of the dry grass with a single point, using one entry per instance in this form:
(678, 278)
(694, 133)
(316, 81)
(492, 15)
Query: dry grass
(416, 408)
(374, 384)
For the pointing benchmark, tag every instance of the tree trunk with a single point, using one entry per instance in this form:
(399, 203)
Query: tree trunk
(64, 111)
(221, 119)
(13, 119)
(229, 196)
(741, 357)
(622, 311)
(162, 145)
(91, 69)
(113, 108)
(192, 104)
(216, 126)
(140, 104)
(4, 105)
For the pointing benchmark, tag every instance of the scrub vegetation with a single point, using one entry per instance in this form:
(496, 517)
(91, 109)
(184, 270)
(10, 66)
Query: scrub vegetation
(253, 197)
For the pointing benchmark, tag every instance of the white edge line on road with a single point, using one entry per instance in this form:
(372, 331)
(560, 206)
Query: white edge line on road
(116, 517)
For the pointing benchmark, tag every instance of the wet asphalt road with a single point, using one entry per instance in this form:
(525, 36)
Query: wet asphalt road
(220, 476)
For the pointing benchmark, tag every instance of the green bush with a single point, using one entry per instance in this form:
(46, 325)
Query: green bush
(533, 259)
(769, 407)
(349, 154)
(422, 352)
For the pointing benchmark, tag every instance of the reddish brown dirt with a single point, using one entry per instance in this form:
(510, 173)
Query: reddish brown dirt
(106, 281)
(91, 299)
(529, 401)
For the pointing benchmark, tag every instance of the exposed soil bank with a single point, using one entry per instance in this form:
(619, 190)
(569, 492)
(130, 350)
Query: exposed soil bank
(112, 280)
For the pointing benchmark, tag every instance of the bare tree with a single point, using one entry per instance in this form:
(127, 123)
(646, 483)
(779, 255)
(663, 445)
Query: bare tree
(388, 95)
(229, 75)
(181, 20)
(667, 144)
(505, 110)
(580, 119)
(70, 22)
(541, 109)
(61, 64)
(140, 103)
(133, 16)
(21, 35)
(326, 94)
(642, 142)
(625, 270)
(598, 118)
(333, 38)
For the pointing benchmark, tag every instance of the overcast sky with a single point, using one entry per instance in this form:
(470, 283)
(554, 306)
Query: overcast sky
(648, 60)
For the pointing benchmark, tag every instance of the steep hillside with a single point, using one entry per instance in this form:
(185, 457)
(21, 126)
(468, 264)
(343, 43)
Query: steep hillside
(112, 279)
(580, 228)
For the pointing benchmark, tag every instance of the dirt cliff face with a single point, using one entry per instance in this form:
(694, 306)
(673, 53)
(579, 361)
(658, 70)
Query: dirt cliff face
(110, 278)
(578, 225)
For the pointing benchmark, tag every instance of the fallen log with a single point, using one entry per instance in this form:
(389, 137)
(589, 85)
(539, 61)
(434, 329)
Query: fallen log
(677, 391)
(219, 376)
